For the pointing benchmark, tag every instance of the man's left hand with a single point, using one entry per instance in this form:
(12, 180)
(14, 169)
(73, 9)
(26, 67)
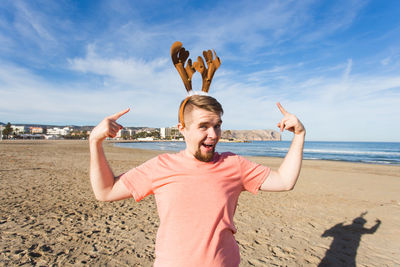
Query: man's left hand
(290, 122)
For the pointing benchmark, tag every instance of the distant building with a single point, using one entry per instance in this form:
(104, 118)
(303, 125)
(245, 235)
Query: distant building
(143, 130)
(58, 131)
(19, 129)
(123, 134)
(36, 130)
(172, 133)
(162, 133)
(131, 132)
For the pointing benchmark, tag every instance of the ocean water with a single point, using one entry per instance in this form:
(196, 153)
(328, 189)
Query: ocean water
(366, 152)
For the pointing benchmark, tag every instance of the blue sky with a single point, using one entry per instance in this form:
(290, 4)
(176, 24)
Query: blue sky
(335, 64)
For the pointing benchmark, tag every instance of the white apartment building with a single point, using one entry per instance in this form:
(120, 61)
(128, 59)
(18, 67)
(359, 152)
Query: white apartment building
(58, 131)
(19, 129)
(163, 133)
(171, 132)
(123, 133)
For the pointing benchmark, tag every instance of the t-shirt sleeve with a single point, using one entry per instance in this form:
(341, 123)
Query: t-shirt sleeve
(253, 174)
(139, 180)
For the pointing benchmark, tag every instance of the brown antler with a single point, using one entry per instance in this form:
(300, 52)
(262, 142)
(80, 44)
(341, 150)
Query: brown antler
(207, 73)
(179, 56)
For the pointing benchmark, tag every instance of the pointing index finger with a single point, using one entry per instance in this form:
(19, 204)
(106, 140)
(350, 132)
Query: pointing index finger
(117, 115)
(283, 111)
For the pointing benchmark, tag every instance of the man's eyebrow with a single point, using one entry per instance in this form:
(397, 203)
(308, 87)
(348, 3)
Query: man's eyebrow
(208, 122)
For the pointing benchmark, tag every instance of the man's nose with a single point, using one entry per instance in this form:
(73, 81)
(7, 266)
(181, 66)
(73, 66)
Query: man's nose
(212, 133)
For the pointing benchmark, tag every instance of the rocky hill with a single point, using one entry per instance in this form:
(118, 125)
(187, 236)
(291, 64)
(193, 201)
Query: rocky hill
(251, 135)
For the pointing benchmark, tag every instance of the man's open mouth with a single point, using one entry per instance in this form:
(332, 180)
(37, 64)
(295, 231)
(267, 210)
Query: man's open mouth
(208, 146)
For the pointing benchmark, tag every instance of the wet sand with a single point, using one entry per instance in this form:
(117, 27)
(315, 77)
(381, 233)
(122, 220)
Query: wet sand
(49, 215)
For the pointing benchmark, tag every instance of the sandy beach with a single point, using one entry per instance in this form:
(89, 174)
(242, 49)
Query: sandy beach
(339, 213)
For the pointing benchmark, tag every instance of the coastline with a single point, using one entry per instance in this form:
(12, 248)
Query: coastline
(379, 153)
(50, 216)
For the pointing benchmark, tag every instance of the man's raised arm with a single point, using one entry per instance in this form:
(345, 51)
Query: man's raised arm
(286, 177)
(105, 186)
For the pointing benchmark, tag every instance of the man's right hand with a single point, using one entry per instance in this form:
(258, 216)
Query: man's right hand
(107, 127)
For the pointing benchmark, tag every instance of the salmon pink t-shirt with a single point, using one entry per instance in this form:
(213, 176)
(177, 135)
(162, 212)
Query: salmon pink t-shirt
(196, 202)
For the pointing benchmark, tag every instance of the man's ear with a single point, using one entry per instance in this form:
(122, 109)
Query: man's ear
(181, 128)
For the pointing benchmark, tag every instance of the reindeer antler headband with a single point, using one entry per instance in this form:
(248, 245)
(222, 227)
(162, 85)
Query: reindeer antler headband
(179, 56)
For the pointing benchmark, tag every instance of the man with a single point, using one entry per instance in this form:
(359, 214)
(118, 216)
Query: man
(197, 189)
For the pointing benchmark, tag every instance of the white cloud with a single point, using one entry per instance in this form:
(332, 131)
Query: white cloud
(385, 61)
(154, 75)
(348, 69)
(334, 107)
(29, 25)
(331, 107)
(151, 93)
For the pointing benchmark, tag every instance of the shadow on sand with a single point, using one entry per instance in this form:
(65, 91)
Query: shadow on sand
(346, 239)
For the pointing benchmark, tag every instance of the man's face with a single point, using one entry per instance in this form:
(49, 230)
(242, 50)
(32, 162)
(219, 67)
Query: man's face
(202, 131)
